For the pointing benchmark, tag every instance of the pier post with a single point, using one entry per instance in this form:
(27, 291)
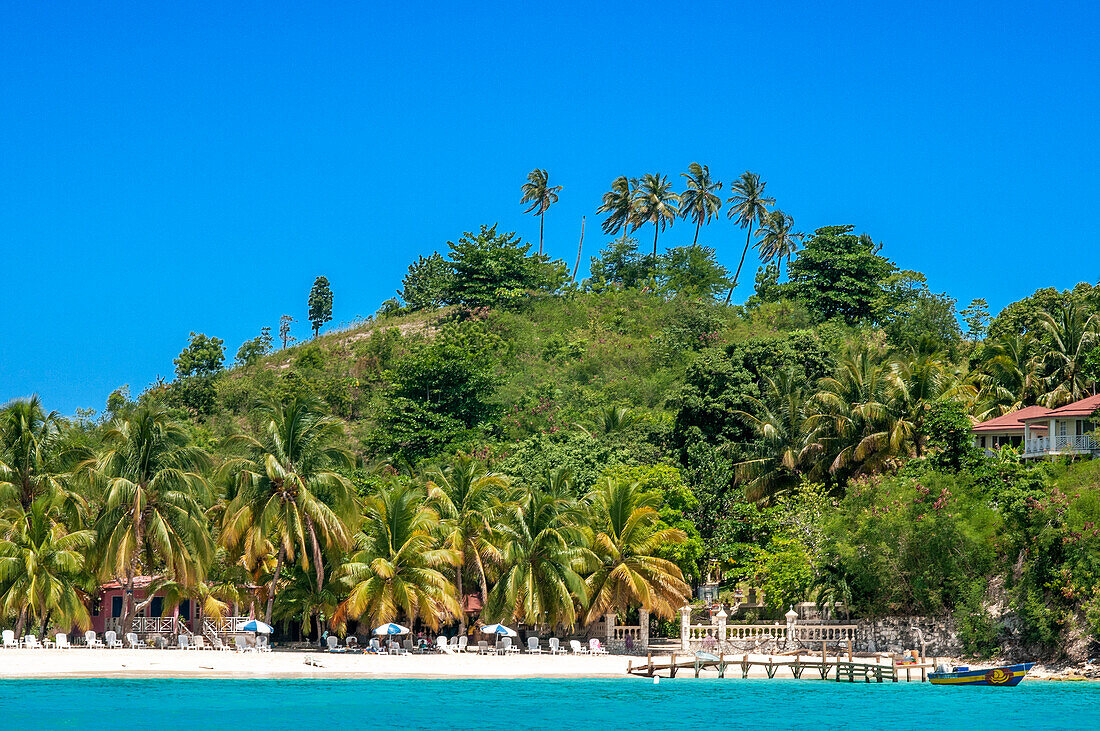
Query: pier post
(720, 620)
(685, 628)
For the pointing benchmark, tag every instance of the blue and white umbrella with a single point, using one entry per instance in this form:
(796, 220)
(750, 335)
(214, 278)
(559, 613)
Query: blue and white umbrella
(255, 625)
(391, 629)
(498, 629)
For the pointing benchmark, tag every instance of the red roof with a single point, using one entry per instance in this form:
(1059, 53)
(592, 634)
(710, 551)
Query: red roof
(1013, 420)
(140, 582)
(1082, 409)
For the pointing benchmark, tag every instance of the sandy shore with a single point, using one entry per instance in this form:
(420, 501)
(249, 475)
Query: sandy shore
(101, 663)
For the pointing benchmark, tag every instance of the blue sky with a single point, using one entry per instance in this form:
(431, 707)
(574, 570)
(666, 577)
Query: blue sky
(167, 169)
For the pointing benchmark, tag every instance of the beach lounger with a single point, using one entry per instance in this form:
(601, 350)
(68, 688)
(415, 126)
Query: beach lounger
(510, 648)
(556, 648)
(219, 645)
(133, 641)
(263, 643)
(110, 639)
(332, 644)
(595, 648)
(183, 642)
(241, 644)
(31, 643)
(9, 639)
(200, 643)
(533, 646)
(352, 643)
(442, 646)
(396, 649)
(375, 647)
(91, 640)
(483, 648)
(47, 643)
(61, 641)
(408, 645)
(464, 644)
(577, 648)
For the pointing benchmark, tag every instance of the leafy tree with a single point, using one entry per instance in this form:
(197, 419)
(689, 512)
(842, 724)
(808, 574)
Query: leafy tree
(619, 205)
(692, 271)
(284, 330)
(31, 459)
(784, 572)
(1010, 375)
(619, 265)
(976, 317)
(709, 405)
(153, 519)
(252, 350)
(777, 239)
(767, 287)
(448, 381)
(494, 269)
(42, 568)
(541, 195)
(397, 568)
(428, 283)
(320, 304)
(838, 274)
(1073, 333)
(203, 356)
(466, 497)
(784, 450)
(950, 439)
(287, 491)
(655, 203)
(628, 536)
(911, 314)
(699, 200)
(748, 205)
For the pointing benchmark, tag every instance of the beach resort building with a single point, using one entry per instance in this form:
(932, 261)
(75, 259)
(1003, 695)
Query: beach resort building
(1040, 432)
(156, 618)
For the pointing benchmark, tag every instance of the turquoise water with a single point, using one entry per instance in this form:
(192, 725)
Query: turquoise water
(523, 704)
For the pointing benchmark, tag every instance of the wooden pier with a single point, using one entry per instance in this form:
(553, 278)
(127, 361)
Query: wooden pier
(836, 668)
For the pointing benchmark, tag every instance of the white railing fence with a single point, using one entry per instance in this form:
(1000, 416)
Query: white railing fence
(1060, 444)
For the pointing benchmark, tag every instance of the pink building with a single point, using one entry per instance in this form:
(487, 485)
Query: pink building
(154, 618)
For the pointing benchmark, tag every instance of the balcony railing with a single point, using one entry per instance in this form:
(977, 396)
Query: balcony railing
(1060, 444)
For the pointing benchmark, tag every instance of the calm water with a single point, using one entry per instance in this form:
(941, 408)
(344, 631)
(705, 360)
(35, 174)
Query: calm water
(522, 704)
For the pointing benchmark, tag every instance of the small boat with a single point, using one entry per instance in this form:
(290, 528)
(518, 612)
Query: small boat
(1007, 675)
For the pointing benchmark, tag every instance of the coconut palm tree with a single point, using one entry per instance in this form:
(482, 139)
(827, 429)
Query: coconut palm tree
(154, 492)
(397, 569)
(31, 457)
(748, 205)
(656, 204)
(286, 490)
(42, 568)
(543, 553)
(610, 420)
(628, 534)
(1073, 333)
(786, 450)
(541, 195)
(699, 200)
(466, 497)
(618, 204)
(776, 238)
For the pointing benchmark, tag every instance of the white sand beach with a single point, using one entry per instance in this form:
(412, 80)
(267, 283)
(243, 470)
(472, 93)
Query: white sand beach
(102, 663)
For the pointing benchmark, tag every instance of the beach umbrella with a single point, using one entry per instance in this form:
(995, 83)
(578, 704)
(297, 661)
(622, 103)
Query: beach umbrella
(498, 629)
(255, 625)
(391, 629)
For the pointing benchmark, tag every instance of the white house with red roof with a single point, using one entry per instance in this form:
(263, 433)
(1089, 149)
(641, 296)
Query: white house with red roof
(1041, 432)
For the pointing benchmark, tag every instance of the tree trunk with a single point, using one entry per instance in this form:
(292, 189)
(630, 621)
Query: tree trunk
(20, 623)
(655, 230)
(274, 584)
(698, 225)
(128, 601)
(542, 220)
(318, 562)
(579, 245)
(737, 275)
(461, 604)
(481, 580)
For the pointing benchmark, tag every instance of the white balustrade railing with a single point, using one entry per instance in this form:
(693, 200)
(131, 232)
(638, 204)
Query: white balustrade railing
(1060, 444)
(221, 627)
(621, 632)
(823, 632)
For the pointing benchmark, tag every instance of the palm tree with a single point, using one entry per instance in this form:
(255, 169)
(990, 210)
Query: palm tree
(543, 552)
(610, 420)
(466, 497)
(540, 195)
(779, 421)
(776, 239)
(921, 378)
(1073, 334)
(152, 519)
(628, 534)
(42, 568)
(287, 490)
(30, 456)
(832, 588)
(397, 568)
(655, 203)
(699, 200)
(748, 205)
(618, 204)
(1010, 377)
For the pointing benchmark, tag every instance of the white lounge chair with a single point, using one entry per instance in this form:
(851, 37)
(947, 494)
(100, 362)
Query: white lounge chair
(9, 639)
(595, 648)
(577, 647)
(442, 646)
(219, 645)
(31, 643)
(183, 642)
(352, 643)
(483, 648)
(376, 646)
(533, 645)
(91, 640)
(199, 643)
(241, 643)
(396, 649)
(133, 642)
(333, 643)
(61, 641)
(262, 644)
(465, 646)
(556, 648)
(111, 640)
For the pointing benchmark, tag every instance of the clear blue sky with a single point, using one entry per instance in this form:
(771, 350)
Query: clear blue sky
(168, 169)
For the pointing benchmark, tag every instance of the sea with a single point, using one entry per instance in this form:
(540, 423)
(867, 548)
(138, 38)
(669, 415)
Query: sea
(636, 704)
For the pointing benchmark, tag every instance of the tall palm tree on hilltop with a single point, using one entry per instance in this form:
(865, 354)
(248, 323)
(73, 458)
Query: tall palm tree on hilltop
(618, 204)
(748, 205)
(655, 203)
(541, 195)
(699, 200)
(776, 239)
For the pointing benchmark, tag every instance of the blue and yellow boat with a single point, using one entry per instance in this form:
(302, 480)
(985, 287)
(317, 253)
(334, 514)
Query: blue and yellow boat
(1006, 675)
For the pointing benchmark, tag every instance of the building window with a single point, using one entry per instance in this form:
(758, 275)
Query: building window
(116, 606)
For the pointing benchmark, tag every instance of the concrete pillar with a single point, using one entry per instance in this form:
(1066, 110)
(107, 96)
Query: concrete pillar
(643, 630)
(720, 620)
(792, 620)
(685, 628)
(609, 620)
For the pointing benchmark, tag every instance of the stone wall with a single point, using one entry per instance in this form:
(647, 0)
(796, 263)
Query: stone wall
(894, 634)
